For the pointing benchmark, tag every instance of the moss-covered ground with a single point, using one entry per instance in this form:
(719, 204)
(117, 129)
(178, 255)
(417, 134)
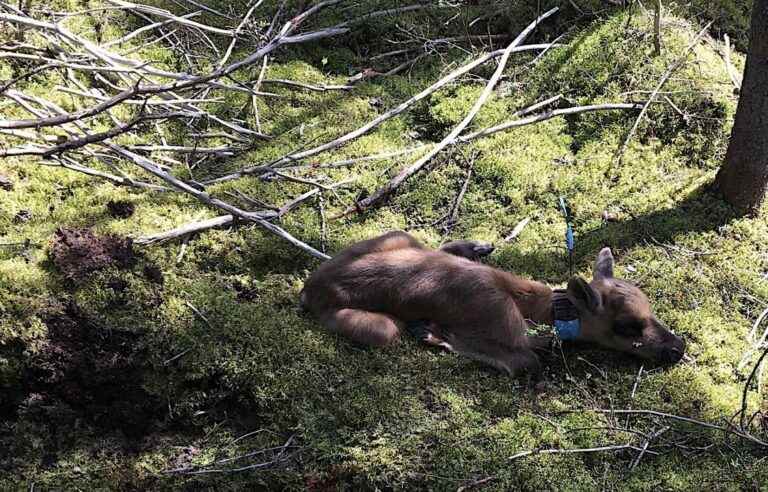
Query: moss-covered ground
(185, 359)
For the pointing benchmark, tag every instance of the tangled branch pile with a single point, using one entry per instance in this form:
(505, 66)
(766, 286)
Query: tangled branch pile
(118, 94)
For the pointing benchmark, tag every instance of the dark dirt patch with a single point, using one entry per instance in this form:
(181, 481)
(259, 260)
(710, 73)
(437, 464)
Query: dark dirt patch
(153, 274)
(79, 252)
(120, 209)
(244, 291)
(85, 373)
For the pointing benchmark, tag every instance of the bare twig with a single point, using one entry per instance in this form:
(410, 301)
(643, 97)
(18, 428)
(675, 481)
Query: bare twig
(728, 65)
(406, 173)
(664, 78)
(518, 229)
(617, 447)
(644, 448)
(348, 137)
(688, 420)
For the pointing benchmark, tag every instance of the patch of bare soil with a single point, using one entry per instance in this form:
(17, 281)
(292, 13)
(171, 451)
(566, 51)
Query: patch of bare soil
(88, 373)
(79, 252)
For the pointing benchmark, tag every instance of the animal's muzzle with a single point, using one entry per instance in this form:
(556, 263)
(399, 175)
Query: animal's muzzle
(673, 353)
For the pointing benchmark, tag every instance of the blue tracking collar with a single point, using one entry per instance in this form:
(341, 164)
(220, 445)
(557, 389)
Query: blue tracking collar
(568, 329)
(567, 323)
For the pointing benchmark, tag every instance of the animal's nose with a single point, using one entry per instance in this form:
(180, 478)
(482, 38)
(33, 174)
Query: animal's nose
(672, 355)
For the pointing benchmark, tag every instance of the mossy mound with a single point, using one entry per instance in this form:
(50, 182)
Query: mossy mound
(196, 355)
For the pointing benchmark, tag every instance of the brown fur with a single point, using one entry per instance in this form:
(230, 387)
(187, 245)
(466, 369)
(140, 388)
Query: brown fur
(370, 290)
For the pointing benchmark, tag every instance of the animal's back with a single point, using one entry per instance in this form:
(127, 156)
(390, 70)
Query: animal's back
(410, 283)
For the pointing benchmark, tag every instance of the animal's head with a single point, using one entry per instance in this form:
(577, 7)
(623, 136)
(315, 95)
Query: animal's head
(616, 314)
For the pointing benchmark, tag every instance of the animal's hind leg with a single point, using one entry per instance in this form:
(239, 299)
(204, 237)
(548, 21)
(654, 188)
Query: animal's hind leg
(364, 327)
(471, 250)
(429, 333)
(386, 242)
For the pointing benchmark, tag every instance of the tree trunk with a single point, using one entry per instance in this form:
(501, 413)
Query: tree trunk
(743, 178)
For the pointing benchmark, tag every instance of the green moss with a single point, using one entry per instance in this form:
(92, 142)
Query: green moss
(224, 348)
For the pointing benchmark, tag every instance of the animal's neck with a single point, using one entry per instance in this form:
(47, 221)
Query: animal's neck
(533, 299)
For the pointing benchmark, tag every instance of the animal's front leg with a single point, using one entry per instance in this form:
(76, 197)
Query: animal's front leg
(540, 343)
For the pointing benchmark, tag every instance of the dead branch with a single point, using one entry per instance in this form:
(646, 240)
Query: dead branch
(517, 230)
(727, 430)
(204, 197)
(449, 139)
(664, 78)
(546, 116)
(344, 139)
(77, 143)
(728, 65)
(617, 447)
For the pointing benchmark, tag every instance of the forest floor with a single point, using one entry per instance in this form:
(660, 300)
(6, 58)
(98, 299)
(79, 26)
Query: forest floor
(120, 362)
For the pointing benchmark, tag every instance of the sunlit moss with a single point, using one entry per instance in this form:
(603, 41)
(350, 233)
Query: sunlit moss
(228, 351)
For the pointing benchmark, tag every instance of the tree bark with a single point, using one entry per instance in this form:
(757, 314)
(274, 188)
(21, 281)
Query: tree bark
(743, 178)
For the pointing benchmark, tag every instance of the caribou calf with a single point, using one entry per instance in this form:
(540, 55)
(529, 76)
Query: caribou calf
(372, 290)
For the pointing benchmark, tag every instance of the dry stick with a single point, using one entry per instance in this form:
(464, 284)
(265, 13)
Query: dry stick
(672, 68)
(637, 380)
(644, 448)
(166, 14)
(618, 447)
(751, 336)
(274, 461)
(239, 28)
(186, 230)
(309, 87)
(282, 38)
(475, 483)
(116, 180)
(518, 229)
(545, 116)
(92, 138)
(414, 168)
(355, 160)
(344, 139)
(223, 220)
(144, 29)
(454, 216)
(204, 197)
(726, 430)
(209, 9)
(743, 410)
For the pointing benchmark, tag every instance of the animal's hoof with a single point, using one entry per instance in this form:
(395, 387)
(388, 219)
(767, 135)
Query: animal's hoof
(483, 249)
(419, 329)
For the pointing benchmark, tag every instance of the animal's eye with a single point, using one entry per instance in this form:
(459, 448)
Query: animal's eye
(628, 328)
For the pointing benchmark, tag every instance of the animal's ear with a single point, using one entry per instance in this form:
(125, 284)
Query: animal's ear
(583, 296)
(603, 265)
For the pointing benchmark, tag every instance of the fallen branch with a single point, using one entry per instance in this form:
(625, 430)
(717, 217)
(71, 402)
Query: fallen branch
(348, 137)
(664, 78)
(224, 220)
(727, 430)
(728, 65)
(204, 197)
(618, 447)
(449, 139)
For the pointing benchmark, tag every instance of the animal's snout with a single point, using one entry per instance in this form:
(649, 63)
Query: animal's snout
(674, 352)
(671, 355)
